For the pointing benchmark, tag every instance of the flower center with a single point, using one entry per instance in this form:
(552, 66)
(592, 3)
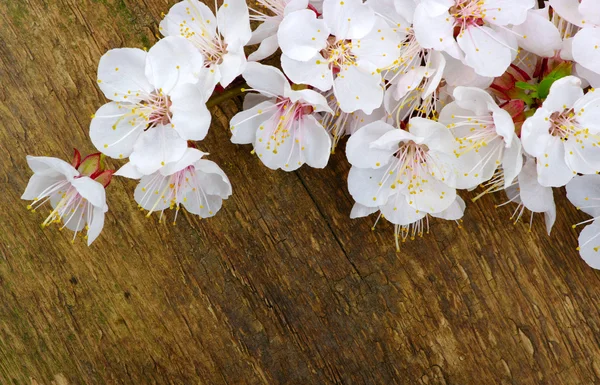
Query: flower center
(338, 53)
(564, 124)
(467, 13)
(159, 109)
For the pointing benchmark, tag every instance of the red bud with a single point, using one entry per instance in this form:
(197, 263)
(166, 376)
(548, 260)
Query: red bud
(76, 158)
(91, 165)
(104, 177)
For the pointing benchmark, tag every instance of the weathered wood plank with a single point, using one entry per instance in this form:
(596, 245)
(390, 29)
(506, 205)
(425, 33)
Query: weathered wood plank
(280, 287)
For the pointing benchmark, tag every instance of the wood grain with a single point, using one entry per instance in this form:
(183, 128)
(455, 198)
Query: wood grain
(281, 287)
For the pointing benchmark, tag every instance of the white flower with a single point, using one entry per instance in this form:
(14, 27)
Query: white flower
(266, 33)
(284, 129)
(393, 168)
(220, 39)
(198, 184)
(530, 195)
(156, 104)
(75, 192)
(472, 30)
(584, 193)
(563, 134)
(346, 50)
(482, 127)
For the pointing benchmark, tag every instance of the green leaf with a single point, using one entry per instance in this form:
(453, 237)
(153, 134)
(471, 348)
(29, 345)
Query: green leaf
(526, 86)
(561, 71)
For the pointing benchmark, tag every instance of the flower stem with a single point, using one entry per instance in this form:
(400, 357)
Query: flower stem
(228, 94)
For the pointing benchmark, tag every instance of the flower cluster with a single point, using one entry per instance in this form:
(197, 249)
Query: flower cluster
(436, 96)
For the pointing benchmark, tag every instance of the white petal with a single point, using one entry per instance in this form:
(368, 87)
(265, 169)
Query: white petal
(156, 147)
(189, 17)
(267, 48)
(357, 89)
(398, 211)
(315, 141)
(535, 132)
(473, 99)
(589, 244)
(371, 187)
(234, 22)
(485, 50)
(512, 161)
(244, 124)
(436, 136)
(38, 186)
(454, 212)
(91, 190)
(301, 35)
(590, 9)
(348, 19)
(149, 193)
(96, 223)
(114, 130)
(190, 118)
(313, 98)
(563, 94)
(434, 197)
(173, 60)
(212, 178)
(360, 211)
(586, 48)
(593, 78)
(584, 191)
(379, 48)
(314, 72)
(51, 167)
(122, 71)
(433, 31)
(265, 30)
(538, 34)
(534, 196)
(266, 78)
(504, 12)
(583, 153)
(233, 65)
(359, 151)
(568, 10)
(204, 205)
(552, 169)
(129, 170)
(189, 157)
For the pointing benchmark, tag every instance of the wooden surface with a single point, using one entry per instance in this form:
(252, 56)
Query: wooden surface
(281, 287)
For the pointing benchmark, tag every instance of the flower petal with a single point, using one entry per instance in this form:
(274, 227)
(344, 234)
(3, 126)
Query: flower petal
(301, 35)
(357, 89)
(359, 151)
(234, 22)
(314, 72)
(190, 118)
(115, 129)
(315, 142)
(266, 78)
(244, 124)
(173, 60)
(121, 73)
(485, 50)
(348, 19)
(156, 147)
